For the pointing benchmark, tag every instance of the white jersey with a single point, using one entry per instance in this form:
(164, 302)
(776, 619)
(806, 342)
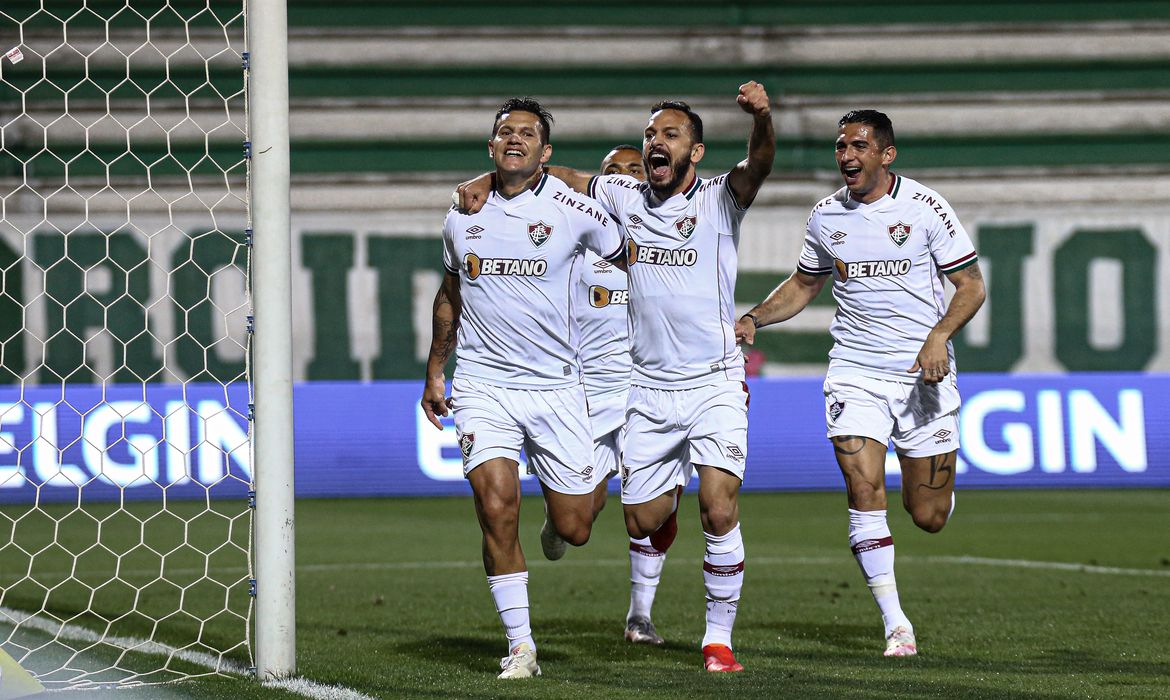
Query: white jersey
(517, 260)
(602, 298)
(682, 258)
(888, 259)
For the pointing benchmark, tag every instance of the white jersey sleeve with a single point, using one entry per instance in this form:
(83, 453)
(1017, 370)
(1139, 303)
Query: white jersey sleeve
(950, 246)
(602, 237)
(616, 193)
(450, 261)
(814, 259)
(724, 202)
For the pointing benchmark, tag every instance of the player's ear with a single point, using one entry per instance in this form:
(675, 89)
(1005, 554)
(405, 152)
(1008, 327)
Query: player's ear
(545, 153)
(697, 151)
(889, 155)
(491, 149)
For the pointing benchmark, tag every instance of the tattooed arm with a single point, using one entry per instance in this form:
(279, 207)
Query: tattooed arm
(445, 323)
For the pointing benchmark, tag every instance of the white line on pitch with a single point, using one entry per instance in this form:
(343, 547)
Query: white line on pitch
(76, 633)
(1054, 565)
(764, 561)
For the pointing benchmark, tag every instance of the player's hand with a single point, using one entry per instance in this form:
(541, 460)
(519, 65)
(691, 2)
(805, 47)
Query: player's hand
(470, 196)
(753, 99)
(434, 400)
(932, 360)
(745, 331)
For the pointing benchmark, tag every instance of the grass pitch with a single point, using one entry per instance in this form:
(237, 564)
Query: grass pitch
(1025, 594)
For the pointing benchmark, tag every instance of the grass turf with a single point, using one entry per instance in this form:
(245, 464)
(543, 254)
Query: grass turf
(392, 603)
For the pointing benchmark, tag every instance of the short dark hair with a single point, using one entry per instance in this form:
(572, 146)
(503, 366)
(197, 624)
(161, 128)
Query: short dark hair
(526, 104)
(679, 105)
(883, 128)
(625, 147)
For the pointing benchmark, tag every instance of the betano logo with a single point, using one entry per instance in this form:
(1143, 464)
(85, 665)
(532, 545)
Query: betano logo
(600, 297)
(870, 268)
(679, 257)
(476, 266)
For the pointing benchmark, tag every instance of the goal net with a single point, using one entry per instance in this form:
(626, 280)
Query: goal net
(125, 330)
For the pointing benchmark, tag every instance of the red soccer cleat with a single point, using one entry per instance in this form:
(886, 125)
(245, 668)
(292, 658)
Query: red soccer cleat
(718, 658)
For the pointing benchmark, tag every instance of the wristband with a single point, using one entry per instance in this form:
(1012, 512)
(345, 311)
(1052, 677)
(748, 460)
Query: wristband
(755, 321)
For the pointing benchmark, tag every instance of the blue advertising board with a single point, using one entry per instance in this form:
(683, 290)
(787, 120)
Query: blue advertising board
(371, 439)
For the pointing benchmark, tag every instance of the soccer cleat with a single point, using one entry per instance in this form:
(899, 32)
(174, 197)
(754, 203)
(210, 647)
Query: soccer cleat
(640, 630)
(717, 658)
(901, 642)
(550, 542)
(521, 663)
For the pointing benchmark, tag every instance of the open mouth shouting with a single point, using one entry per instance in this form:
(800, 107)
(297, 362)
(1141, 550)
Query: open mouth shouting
(659, 162)
(852, 174)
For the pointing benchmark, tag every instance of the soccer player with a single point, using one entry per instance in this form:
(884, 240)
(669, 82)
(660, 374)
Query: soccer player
(888, 242)
(605, 364)
(517, 384)
(624, 159)
(688, 400)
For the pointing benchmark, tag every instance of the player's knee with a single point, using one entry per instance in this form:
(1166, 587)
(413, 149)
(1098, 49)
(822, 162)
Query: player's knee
(575, 531)
(640, 524)
(499, 509)
(929, 517)
(719, 517)
(866, 495)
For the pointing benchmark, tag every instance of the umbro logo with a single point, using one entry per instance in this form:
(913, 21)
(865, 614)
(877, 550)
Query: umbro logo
(635, 220)
(474, 232)
(735, 453)
(942, 434)
(603, 266)
(838, 237)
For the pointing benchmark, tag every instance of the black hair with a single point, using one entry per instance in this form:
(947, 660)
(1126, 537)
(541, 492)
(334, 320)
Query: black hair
(883, 128)
(679, 105)
(625, 147)
(526, 104)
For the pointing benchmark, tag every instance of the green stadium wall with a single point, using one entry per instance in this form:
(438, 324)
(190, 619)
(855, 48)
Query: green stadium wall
(1070, 290)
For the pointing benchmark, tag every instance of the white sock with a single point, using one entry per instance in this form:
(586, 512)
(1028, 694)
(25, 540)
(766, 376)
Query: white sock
(510, 591)
(952, 510)
(645, 570)
(873, 547)
(723, 577)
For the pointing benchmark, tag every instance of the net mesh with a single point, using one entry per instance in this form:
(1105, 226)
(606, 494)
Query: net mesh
(125, 474)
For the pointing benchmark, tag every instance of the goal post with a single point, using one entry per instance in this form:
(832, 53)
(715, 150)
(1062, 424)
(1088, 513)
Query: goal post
(272, 370)
(146, 488)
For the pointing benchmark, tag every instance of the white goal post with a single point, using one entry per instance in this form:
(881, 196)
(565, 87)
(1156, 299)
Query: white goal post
(272, 296)
(146, 462)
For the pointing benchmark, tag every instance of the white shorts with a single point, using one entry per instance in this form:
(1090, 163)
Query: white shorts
(607, 453)
(921, 419)
(551, 425)
(607, 409)
(607, 416)
(668, 432)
